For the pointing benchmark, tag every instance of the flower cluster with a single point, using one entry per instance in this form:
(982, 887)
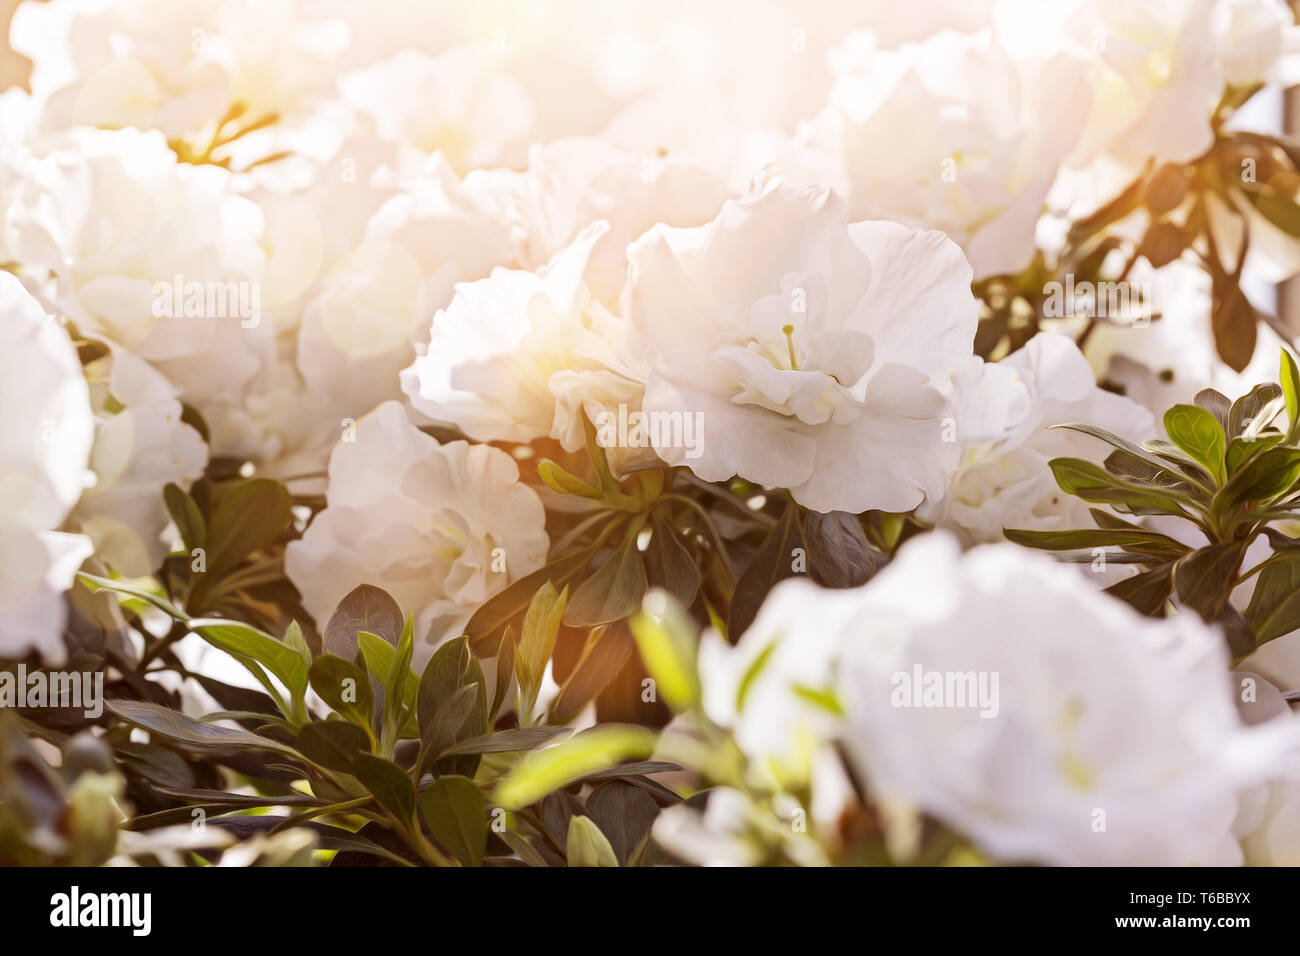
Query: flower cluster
(589, 434)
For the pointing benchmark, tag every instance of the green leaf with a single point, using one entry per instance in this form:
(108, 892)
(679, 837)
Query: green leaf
(447, 671)
(174, 725)
(587, 846)
(185, 512)
(366, 608)
(333, 744)
(1290, 376)
(566, 483)
(248, 517)
(669, 564)
(1276, 207)
(537, 642)
(489, 622)
(613, 592)
(1217, 404)
(455, 812)
(505, 674)
(1093, 483)
(624, 813)
(379, 656)
(666, 638)
(1203, 579)
(96, 583)
(1147, 592)
(774, 561)
(241, 640)
(334, 680)
(399, 676)
(506, 741)
(1140, 540)
(1199, 433)
(1274, 608)
(606, 650)
(1266, 475)
(449, 719)
(550, 768)
(389, 784)
(1255, 410)
(1242, 450)
(293, 638)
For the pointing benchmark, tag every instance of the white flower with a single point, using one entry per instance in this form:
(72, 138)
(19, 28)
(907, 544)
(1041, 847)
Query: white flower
(128, 231)
(46, 431)
(574, 182)
(440, 527)
(1155, 71)
(981, 165)
(811, 351)
(478, 106)
(361, 326)
(175, 65)
(518, 355)
(1084, 734)
(141, 444)
(1002, 478)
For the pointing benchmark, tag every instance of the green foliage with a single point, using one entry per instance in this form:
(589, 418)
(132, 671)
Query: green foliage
(1232, 470)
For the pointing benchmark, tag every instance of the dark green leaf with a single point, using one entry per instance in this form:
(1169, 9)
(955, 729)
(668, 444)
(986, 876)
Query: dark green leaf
(625, 813)
(456, 814)
(248, 517)
(604, 653)
(839, 555)
(335, 680)
(1142, 541)
(1147, 592)
(774, 561)
(1203, 579)
(333, 744)
(506, 741)
(174, 725)
(1274, 608)
(613, 592)
(489, 622)
(366, 608)
(389, 784)
(669, 565)
(189, 519)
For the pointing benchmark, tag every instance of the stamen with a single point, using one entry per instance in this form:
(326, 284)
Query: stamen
(789, 341)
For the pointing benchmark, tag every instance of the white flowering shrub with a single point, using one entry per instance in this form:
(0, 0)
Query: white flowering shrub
(455, 433)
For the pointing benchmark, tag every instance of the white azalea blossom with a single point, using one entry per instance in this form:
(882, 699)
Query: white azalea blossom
(440, 527)
(814, 352)
(141, 445)
(981, 168)
(176, 65)
(519, 355)
(1003, 421)
(113, 217)
(1109, 738)
(46, 430)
